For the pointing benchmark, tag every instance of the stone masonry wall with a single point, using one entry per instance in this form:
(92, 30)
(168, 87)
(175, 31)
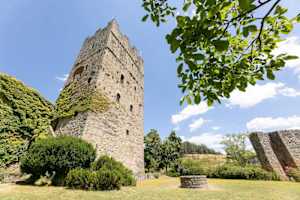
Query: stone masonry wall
(278, 151)
(291, 139)
(108, 64)
(262, 144)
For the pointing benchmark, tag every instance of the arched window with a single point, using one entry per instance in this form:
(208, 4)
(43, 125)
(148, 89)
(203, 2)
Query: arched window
(122, 78)
(131, 108)
(118, 98)
(78, 72)
(89, 80)
(127, 132)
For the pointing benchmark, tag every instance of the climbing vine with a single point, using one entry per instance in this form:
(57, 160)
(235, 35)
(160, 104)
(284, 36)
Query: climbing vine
(24, 116)
(73, 100)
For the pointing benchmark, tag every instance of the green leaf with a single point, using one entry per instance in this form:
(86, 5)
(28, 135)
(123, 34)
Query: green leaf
(290, 57)
(270, 75)
(199, 56)
(179, 69)
(186, 6)
(197, 98)
(174, 45)
(188, 99)
(252, 28)
(245, 31)
(145, 18)
(280, 10)
(210, 102)
(181, 20)
(298, 18)
(244, 4)
(221, 45)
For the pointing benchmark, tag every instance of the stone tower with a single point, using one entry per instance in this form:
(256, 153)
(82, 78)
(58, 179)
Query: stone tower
(103, 98)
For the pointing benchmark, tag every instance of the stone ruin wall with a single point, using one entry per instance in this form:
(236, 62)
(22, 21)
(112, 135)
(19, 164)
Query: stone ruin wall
(277, 151)
(111, 66)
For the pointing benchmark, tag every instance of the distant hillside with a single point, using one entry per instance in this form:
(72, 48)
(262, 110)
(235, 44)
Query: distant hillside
(24, 115)
(207, 160)
(191, 148)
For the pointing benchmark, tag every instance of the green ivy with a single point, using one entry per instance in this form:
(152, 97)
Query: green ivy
(73, 100)
(24, 116)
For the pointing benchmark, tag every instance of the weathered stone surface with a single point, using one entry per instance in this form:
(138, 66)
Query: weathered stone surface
(278, 151)
(193, 181)
(110, 66)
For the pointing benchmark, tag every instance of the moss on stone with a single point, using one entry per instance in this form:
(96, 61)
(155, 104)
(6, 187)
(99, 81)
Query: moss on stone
(24, 115)
(73, 100)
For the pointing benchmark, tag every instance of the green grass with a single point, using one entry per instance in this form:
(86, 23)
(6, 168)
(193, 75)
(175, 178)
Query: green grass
(165, 189)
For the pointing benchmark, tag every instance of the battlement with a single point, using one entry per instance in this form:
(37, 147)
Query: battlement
(124, 40)
(102, 40)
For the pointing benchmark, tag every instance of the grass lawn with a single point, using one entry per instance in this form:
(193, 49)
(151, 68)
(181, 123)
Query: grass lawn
(164, 188)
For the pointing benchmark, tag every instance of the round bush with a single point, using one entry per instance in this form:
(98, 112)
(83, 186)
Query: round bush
(57, 155)
(102, 179)
(106, 162)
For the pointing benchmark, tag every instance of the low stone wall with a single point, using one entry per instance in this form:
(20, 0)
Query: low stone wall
(193, 182)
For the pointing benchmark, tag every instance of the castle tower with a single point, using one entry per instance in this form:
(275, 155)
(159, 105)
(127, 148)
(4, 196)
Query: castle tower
(103, 98)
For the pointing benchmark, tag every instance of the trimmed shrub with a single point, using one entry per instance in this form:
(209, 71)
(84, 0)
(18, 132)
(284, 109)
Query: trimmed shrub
(85, 179)
(251, 172)
(57, 156)
(108, 179)
(78, 179)
(127, 178)
(294, 173)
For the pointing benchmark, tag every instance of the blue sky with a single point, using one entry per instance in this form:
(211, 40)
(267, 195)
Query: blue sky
(39, 41)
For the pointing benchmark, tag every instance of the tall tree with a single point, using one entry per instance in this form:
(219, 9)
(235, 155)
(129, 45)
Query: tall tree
(152, 151)
(224, 44)
(171, 150)
(235, 148)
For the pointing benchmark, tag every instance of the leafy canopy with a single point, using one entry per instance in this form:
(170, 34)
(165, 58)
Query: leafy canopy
(224, 45)
(235, 146)
(171, 150)
(152, 151)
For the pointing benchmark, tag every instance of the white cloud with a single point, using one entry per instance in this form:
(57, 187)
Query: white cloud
(189, 111)
(258, 93)
(62, 78)
(215, 128)
(269, 123)
(290, 46)
(289, 92)
(197, 124)
(212, 140)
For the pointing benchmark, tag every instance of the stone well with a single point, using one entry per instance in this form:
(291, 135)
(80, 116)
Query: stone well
(193, 181)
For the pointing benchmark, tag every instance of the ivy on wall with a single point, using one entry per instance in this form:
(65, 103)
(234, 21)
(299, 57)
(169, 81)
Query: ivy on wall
(24, 116)
(73, 100)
